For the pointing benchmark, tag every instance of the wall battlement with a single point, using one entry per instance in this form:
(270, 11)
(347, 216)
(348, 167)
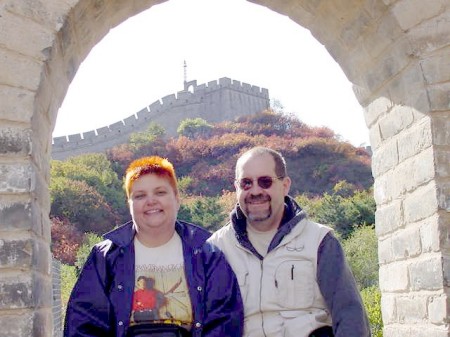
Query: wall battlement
(215, 101)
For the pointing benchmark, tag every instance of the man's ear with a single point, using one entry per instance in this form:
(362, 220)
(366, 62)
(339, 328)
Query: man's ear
(287, 185)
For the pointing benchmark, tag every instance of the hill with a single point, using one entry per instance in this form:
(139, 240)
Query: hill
(205, 154)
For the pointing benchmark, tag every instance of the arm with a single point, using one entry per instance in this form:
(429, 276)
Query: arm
(224, 314)
(89, 309)
(339, 289)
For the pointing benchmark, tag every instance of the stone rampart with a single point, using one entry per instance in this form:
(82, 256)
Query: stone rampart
(215, 101)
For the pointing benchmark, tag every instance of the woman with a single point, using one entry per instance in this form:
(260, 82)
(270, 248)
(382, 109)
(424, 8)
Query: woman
(192, 286)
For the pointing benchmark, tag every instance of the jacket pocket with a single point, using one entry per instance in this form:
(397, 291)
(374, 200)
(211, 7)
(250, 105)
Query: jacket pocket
(294, 284)
(242, 278)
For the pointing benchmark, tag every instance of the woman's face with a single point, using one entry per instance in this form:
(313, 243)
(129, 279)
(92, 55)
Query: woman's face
(153, 204)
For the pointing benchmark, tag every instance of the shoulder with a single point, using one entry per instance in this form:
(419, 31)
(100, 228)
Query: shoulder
(192, 234)
(222, 235)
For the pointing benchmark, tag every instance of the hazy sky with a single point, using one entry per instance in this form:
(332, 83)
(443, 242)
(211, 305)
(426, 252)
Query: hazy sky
(141, 61)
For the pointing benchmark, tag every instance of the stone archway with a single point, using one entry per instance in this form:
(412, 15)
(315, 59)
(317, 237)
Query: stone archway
(395, 52)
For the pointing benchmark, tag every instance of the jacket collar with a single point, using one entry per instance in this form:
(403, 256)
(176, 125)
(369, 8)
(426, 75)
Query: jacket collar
(124, 235)
(292, 215)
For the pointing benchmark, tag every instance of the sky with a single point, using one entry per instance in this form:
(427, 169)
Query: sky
(142, 60)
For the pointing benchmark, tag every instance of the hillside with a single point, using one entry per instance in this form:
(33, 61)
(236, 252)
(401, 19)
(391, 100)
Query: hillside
(207, 153)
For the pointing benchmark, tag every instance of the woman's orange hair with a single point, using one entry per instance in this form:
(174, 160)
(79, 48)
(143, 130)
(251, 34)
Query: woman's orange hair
(150, 165)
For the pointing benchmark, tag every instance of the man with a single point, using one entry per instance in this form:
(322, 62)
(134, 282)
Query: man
(293, 275)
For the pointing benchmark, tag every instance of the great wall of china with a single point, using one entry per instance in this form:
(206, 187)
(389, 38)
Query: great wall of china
(215, 101)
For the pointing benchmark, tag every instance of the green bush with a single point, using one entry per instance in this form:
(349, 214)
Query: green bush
(372, 301)
(68, 279)
(361, 250)
(90, 240)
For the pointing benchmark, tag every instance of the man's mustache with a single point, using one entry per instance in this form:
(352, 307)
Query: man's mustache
(257, 198)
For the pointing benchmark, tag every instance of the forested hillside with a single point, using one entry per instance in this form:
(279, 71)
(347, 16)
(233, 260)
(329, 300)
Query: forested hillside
(87, 193)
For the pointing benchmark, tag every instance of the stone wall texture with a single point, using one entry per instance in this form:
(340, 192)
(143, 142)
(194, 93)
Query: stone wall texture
(396, 53)
(214, 102)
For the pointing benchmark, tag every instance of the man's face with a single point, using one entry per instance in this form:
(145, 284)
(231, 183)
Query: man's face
(263, 206)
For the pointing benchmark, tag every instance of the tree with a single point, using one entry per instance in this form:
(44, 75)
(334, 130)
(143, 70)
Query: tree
(153, 134)
(96, 171)
(361, 250)
(344, 209)
(82, 205)
(90, 240)
(65, 240)
(204, 211)
(371, 297)
(194, 128)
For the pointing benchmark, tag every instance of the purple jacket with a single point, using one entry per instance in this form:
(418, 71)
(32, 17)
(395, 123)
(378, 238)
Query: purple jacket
(101, 300)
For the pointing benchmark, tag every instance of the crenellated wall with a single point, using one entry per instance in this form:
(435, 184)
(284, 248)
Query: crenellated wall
(215, 101)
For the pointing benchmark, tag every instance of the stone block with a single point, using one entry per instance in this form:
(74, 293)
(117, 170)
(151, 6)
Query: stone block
(16, 324)
(385, 158)
(430, 35)
(17, 104)
(426, 274)
(432, 233)
(15, 141)
(389, 218)
(378, 107)
(421, 204)
(385, 253)
(415, 139)
(16, 178)
(438, 309)
(436, 68)
(42, 291)
(441, 129)
(49, 13)
(43, 324)
(394, 277)
(388, 309)
(14, 65)
(411, 309)
(16, 215)
(410, 13)
(16, 293)
(25, 36)
(439, 96)
(16, 253)
(406, 243)
(396, 120)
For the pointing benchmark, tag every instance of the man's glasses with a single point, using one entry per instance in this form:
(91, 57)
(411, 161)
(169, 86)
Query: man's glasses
(264, 182)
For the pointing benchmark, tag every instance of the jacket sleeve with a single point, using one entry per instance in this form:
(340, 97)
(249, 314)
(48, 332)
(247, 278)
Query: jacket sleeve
(89, 310)
(224, 313)
(339, 289)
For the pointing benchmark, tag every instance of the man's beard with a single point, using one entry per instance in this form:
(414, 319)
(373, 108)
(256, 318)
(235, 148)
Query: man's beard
(260, 216)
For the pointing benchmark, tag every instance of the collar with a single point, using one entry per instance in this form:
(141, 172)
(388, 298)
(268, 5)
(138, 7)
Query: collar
(292, 215)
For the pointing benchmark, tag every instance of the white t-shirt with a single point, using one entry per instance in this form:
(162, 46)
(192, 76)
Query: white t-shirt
(161, 293)
(260, 240)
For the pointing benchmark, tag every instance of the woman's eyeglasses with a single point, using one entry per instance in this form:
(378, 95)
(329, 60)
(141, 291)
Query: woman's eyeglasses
(264, 182)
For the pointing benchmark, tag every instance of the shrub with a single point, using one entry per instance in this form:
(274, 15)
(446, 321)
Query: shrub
(361, 249)
(90, 240)
(68, 279)
(65, 241)
(372, 301)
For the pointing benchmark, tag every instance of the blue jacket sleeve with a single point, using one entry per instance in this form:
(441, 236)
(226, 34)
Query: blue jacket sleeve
(224, 313)
(89, 309)
(339, 289)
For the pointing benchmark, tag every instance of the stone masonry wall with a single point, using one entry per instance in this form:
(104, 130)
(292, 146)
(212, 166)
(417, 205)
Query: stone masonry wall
(215, 101)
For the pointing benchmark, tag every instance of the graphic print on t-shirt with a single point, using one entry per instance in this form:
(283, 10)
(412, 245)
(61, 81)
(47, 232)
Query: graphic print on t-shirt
(161, 293)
